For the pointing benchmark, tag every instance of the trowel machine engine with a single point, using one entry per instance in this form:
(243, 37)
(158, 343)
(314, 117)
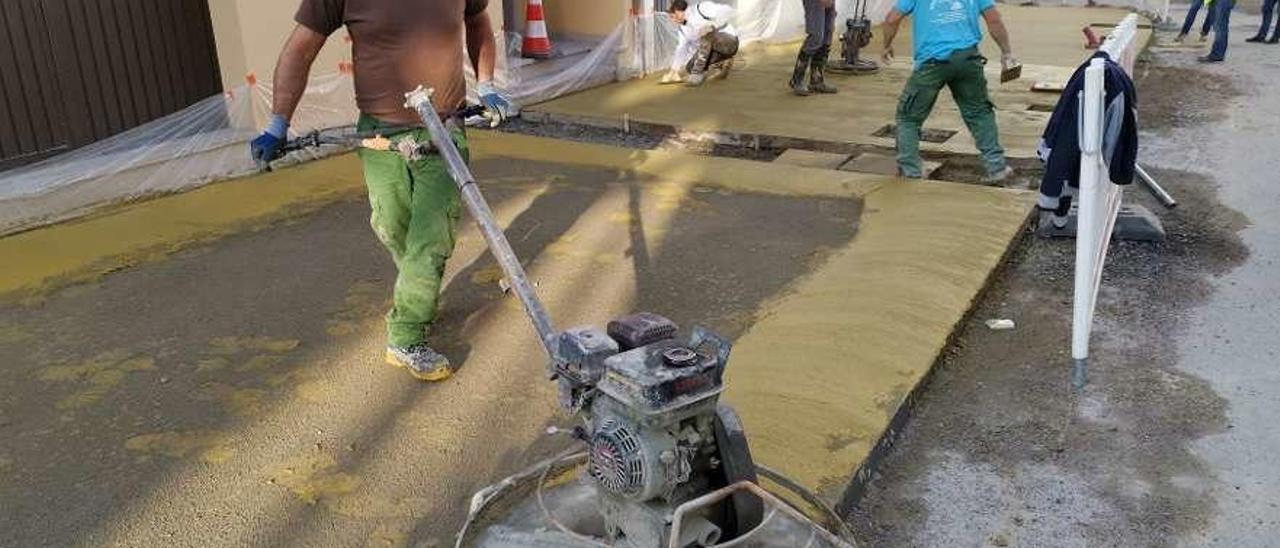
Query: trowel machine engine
(857, 35)
(656, 434)
(655, 431)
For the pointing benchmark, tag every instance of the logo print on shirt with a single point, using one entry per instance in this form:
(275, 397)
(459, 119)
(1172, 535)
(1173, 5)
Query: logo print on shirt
(945, 12)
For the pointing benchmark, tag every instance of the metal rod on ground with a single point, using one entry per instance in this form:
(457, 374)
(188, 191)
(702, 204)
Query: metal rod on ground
(1155, 188)
(420, 101)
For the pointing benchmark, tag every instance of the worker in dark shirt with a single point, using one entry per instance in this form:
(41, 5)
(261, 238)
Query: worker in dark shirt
(398, 45)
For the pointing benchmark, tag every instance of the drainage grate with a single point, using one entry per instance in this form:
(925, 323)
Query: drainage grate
(928, 135)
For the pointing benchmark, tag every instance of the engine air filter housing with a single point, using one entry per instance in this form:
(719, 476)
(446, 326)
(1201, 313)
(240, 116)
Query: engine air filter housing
(623, 460)
(616, 461)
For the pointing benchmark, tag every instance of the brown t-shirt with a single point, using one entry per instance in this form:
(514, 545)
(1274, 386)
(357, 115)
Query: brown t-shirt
(398, 45)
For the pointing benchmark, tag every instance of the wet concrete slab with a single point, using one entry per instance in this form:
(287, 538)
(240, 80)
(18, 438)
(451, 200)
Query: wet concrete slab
(884, 164)
(231, 392)
(829, 371)
(754, 106)
(811, 158)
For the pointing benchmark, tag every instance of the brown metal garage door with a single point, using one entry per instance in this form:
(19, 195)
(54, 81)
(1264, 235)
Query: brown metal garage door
(76, 71)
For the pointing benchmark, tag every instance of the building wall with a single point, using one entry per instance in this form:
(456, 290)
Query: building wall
(250, 34)
(583, 18)
(73, 72)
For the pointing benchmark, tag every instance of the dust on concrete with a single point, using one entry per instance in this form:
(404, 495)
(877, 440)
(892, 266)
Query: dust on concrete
(1002, 452)
(263, 414)
(1180, 97)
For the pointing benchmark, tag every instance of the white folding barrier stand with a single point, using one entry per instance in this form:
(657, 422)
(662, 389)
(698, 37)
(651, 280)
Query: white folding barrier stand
(1099, 200)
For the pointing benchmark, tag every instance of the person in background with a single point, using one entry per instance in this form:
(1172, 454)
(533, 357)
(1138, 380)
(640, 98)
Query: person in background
(819, 28)
(398, 45)
(1268, 10)
(708, 42)
(1191, 20)
(1221, 28)
(945, 36)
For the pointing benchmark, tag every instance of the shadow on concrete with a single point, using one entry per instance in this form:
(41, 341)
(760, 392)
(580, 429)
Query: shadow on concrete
(66, 476)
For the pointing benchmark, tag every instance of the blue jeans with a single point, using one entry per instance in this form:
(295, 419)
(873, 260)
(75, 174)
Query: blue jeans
(1268, 7)
(1221, 24)
(1191, 18)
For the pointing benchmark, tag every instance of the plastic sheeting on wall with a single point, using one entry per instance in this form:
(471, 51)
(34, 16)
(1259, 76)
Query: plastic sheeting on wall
(208, 141)
(205, 142)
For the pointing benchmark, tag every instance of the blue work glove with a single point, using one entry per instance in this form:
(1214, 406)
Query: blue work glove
(266, 147)
(497, 106)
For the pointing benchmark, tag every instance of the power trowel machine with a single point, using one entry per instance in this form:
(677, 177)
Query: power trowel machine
(662, 462)
(857, 35)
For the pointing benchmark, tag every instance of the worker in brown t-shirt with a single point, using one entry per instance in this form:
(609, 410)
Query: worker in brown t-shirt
(398, 45)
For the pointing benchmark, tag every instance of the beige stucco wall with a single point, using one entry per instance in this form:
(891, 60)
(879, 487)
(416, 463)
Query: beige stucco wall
(250, 33)
(580, 18)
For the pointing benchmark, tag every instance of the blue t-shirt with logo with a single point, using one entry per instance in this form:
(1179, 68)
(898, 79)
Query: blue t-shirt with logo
(940, 27)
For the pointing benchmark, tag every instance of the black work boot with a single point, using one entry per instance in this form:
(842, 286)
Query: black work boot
(817, 73)
(798, 85)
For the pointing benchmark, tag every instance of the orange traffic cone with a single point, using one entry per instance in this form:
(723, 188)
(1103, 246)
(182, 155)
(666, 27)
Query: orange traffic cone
(537, 44)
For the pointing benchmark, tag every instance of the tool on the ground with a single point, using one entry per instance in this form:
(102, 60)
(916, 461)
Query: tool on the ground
(656, 434)
(1156, 190)
(857, 35)
(1048, 87)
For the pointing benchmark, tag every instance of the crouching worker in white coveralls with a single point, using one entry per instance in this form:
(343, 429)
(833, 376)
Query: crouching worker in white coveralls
(708, 42)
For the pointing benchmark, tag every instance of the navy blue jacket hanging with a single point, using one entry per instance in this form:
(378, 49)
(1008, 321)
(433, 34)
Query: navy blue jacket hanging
(1060, 145)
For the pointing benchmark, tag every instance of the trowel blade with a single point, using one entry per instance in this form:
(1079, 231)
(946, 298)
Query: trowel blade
(1010, 74)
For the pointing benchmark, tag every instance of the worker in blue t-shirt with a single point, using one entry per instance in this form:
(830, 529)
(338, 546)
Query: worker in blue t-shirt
(945, 37)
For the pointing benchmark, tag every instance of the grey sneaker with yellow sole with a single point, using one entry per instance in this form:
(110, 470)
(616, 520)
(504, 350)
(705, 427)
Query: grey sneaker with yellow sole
(421, 361)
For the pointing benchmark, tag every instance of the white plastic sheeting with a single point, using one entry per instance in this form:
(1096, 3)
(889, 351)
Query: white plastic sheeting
(642, 44)
(638, 46)
(207, 141)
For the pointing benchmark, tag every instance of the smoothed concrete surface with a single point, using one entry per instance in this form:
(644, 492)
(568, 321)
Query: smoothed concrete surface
(233, 393)
(754, 100)
(823, 373)
(117, 237)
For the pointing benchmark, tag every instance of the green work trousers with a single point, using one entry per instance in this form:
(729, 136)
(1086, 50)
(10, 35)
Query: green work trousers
(415, 210)
(963, 74)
